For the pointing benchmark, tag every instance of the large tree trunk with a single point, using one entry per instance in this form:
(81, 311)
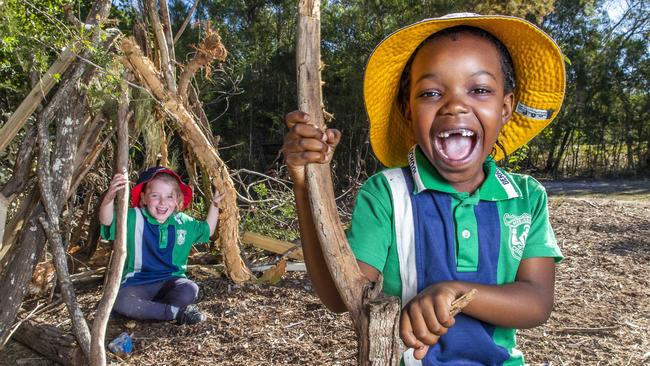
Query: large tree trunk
(206, 153)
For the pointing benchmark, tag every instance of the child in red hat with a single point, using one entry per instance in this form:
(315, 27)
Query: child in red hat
(159, 239)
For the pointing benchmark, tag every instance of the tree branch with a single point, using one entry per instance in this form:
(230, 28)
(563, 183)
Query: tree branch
(186, 21)
(49, 201)
(165, 62)
(209, 50)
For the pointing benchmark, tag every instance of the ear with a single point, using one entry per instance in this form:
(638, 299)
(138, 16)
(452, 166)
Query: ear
(142, 199)
(407, 113)
(508, 106)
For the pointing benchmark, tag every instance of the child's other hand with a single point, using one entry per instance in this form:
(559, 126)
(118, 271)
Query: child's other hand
(217, 198)
(305, 143)
(426, 317)
(118, 182)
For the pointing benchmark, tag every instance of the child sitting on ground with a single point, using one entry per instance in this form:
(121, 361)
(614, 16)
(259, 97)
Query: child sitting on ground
(159, 239)
(447, 98)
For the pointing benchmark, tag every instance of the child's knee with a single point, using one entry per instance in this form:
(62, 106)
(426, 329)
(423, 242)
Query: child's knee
(125, 302)
(186, 293)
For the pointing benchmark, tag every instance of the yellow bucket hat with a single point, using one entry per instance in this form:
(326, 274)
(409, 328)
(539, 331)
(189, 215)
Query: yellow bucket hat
(539, 83)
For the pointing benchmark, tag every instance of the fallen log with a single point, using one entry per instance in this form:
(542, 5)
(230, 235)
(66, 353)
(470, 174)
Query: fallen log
(50, 341)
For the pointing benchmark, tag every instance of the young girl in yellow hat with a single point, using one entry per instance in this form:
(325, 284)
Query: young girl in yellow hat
(447, 98)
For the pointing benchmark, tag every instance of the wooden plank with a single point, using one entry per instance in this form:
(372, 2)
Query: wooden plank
(291, 267)
(272, 245)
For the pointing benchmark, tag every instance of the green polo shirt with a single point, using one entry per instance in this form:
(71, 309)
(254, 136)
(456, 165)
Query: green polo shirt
(155, 251)
(522, 205)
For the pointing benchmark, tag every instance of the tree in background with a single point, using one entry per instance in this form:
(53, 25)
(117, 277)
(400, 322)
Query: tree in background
(603, 127)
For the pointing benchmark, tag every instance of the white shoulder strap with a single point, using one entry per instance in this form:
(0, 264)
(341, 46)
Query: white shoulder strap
(405, 241)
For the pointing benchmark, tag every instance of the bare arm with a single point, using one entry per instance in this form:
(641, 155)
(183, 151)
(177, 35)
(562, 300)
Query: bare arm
(525, 303)
(213, 212)
(106, 209)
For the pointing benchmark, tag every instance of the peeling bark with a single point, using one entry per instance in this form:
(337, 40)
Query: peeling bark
(209, 50)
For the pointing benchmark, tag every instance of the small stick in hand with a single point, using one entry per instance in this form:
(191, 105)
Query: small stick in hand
(458, 304)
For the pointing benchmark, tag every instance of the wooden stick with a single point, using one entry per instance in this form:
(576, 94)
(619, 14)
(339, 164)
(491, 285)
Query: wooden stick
(273, 245)
(34, 98)
(112, 284)
(580, 330)
(186, 21)
(52, 202)
(374, 315)
(458, 304)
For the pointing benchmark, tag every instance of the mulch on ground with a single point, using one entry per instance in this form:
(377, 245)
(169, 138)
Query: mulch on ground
(601, 317)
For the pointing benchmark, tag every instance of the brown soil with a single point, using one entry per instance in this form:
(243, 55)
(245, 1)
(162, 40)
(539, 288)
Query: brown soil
(601, 317)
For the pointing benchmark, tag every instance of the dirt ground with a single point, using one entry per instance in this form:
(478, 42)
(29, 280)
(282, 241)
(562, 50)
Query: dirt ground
(601, 316)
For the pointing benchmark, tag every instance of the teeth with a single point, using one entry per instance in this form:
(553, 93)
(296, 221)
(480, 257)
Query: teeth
(462, 132)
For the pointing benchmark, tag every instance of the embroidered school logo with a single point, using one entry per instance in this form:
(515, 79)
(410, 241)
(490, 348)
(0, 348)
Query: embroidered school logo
(518, 227)
(180, 237)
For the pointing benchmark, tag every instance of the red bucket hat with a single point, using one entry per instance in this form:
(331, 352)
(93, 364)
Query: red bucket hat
(148, 175)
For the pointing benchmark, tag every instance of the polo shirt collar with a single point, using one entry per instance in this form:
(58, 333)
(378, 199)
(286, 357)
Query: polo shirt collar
(170, 220)
(498, 184)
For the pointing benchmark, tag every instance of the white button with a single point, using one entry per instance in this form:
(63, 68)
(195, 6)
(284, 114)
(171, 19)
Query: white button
(466, 234)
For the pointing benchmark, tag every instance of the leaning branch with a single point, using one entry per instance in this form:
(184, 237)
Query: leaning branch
(161, 41)
(51, 228)
(35, 97)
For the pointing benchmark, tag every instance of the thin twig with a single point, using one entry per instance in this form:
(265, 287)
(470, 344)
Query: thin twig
(458, 304)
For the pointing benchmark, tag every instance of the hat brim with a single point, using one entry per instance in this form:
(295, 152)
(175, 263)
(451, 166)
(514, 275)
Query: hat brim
(539, 90)
(185, 189)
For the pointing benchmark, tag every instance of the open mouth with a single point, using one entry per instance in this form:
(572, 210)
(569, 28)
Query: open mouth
(161, 211)
(457, 144)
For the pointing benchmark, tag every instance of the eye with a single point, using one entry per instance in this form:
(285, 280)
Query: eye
(481, 90)
(430, 94)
